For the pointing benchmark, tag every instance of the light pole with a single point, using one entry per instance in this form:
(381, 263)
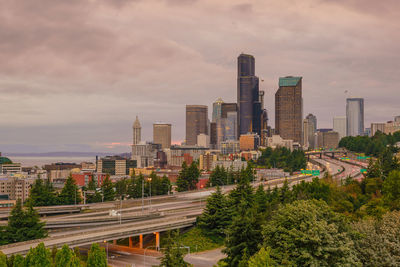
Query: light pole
(105, 241)
(150, 192)
(142, 195)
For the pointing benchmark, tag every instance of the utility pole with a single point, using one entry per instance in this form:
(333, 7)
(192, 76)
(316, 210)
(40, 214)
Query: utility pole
(142, 196)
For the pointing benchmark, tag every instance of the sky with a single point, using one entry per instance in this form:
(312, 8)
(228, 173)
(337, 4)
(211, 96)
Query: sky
(74, 74)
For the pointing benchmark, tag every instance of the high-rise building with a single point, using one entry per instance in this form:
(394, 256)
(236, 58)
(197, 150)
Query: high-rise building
(329, 140)
(289, 108)
(196, 122)
(227, 123)
(248, 99)
(249, 141)
(354, 116)
(339, 126)
(162, 134)
(397, 119)
(136, 131)
(213, 134)
(377, 127)
(309, 129)
(217, 106)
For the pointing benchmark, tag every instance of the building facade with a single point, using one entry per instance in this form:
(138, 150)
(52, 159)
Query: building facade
(230, 147)
(115, 165)
(248, 99)
(162, 134)
(196, 122)
(249, 142)
(217, 109)
(354, 116)
(137, 132)
(328, 140)
(289, 109)
(377, 127)
(339, 126)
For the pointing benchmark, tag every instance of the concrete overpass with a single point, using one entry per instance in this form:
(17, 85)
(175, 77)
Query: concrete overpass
(329, 153)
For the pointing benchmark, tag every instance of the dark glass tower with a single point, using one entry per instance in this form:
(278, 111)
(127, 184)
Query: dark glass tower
(249, 105)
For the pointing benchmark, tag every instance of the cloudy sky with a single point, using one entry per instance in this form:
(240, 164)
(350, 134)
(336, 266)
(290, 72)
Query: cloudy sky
(75, 73)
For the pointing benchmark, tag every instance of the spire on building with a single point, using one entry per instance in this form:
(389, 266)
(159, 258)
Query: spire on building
(137, 129)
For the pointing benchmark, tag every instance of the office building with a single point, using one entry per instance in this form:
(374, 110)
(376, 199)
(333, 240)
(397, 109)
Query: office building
(354, 116)
(230, 147)
(196, 122)
(176, 155)
(339, 126)
(328, 140)
(391, 127)
(289, 109)
(115, 165)
(234, 165)
(397, 119)
(162, 134)
(227, 123)
(377, 127)
(206, 160)
(137, 129)
(248, 98)
(249, 142)
(217, 106)
(309, 128)
(60, 170)
(213, 135)
(15, 187)
(203, 140)
(144, 153)
(276, 141)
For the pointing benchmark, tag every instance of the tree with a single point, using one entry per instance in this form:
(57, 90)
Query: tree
(108, 189)
(96, 196)
(97, 257)
(219, 176)
(24, 225)
(173, 255)
(188, 177)
(309, 233)
(243, 236)
(42, 194)
(135, 186)
(70, 194)
(215, 217)
(19, 261)
(38, 257)
(391, 189)
(66, 258)
(3, 260)
(262, 259)
(121, 188)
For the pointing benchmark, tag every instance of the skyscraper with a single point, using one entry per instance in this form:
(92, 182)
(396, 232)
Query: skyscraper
(309, 129)
(137, 129)
(227, 123)
(196, 122)
(162, 134)
(248, 100)
(354, 116)
(339, 126)
(217, 109)
(289, 108)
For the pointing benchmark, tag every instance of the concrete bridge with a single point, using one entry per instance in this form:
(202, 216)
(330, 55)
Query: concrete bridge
(329, 153)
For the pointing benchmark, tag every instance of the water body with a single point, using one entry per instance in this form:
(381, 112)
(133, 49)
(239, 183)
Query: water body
(41, 161)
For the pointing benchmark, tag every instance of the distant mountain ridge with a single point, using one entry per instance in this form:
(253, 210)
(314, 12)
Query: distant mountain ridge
(63, 154)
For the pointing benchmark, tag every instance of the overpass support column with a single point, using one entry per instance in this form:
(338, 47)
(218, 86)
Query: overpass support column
(115, 241)
(157, 241)
(141, 241)
(130, 242)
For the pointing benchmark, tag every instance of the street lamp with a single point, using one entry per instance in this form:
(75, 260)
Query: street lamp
(105, 241)
(150, 192)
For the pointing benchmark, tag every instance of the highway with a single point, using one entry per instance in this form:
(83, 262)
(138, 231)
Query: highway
(165, 213)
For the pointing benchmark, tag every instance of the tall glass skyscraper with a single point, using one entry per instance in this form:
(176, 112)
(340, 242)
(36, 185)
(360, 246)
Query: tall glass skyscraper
(355, 116)
(248, 100)
(217, 105)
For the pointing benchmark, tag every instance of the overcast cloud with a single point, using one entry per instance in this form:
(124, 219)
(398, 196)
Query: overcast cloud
(74, 74)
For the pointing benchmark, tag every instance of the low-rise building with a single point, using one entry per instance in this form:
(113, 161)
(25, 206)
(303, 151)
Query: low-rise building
(15, 187)
(328, 140)
(249, 141)
(60, 170)
(235, 165)
(230, 147)
(115, 165)
(276, 141)
(176, 155)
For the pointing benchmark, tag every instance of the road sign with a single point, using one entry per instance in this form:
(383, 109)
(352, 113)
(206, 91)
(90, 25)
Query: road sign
(363, 170)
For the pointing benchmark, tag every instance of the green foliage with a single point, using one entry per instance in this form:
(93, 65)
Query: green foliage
(309, 233)
(173, 253)
(219, 176)
(108, 189)
(70, 193)
(19, 261)
(24, 224)
(188, 177)
(97, 257)
(38, 257)
(135, 186)
(243, 236)
(42, 194)
(197, 240)
(96, 197)
(282, 158)
(159, 186)
(378, 242)
(391, 189)
(3, 260)
(66, 258)
(262, 259)
(371, 146)
(215, 217)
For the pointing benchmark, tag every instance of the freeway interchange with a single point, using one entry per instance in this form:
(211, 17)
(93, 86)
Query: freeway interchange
(95, 225)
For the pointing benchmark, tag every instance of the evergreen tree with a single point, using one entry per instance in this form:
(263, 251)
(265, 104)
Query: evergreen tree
(260, 198)
(66, 258)
(19, 261)
(243, 236)
(173, 255)
(3, 260)
(262, 259)
(165, 185)
(108, 189)
(42, 194)
(182, 180)
(121, 188)
(135, 186)
(96, 196)
(391, 189)
(242, 193)
(219, 176)
(24, 225)
(38, 257)
(215, 217)
(97, 257)
(70, 193)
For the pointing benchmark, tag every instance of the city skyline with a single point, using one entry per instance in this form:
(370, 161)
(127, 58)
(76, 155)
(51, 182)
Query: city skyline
(58, 94)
